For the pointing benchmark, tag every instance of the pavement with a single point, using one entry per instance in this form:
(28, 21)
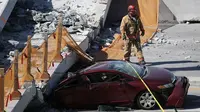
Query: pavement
(176, 49)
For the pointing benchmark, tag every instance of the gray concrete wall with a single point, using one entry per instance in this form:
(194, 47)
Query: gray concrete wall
(184, 9)
(165, 15)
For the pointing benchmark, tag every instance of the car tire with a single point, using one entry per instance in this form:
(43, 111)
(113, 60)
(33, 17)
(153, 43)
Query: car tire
(146, 101)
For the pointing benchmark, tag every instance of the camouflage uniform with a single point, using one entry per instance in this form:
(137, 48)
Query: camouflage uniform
(130, 30)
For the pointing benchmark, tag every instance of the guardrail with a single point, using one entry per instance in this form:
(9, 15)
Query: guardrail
(31, 64)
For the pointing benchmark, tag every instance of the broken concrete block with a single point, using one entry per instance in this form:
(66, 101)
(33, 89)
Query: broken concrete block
(187, 22)
(85, 33)
(49, 17)
(11, 53)
(168, 42)
(13, 42)
(156, 38)
(38, 17)
(67, 22)
(145, 44)
(150, 41)
(188, 57)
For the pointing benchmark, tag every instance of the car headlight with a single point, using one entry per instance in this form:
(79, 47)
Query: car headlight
(170, 85)
(173, 79)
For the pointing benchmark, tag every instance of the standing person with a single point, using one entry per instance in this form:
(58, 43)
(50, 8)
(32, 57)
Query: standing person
(131, 27)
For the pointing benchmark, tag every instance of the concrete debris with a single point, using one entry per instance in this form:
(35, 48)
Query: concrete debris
(103, 1)
(168, 42)
(197, 41)
(107, 44)
(39, 17)
(52, 27)
(38, 39)
(188, 57)
(85, 33)
(145, 44)
(156, 38)
(167, 52)
(13, 42)
(184, 53)
(193, 49)
(161, 41)
(49, 17)
(150, 41)
(176, 43)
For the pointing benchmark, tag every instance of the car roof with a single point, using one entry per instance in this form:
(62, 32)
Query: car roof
(101, 65)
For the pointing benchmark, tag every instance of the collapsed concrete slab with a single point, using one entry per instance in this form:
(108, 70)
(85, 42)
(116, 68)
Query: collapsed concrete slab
(184, 10)
(6, 7)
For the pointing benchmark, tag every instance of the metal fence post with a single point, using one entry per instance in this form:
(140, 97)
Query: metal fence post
(1, 89)
(16, 94)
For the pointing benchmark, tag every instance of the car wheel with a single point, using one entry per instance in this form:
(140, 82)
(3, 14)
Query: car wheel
(145, 101)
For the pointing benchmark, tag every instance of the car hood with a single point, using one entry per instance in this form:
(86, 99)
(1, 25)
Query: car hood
(159, 74)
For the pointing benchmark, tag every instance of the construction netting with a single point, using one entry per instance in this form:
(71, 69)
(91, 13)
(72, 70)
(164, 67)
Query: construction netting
(36, 65)
(149, 12)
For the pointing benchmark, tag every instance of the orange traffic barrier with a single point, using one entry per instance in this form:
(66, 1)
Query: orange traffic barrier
(1, 89)
(58, 57)
(16, 94)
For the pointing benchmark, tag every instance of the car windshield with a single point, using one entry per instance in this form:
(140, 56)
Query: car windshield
(127, 68)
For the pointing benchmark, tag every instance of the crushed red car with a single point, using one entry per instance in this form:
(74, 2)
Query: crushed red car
(116, 83)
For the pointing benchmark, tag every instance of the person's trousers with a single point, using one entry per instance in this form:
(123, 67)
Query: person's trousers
(129, 42)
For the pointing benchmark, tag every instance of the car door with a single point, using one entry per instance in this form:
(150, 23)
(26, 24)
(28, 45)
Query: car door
(74, 93)
(116, 90)
(98, 89)
(130, 86)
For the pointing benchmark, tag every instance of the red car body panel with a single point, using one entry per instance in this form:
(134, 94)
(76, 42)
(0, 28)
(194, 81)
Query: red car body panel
(179, 93)
(117, 93)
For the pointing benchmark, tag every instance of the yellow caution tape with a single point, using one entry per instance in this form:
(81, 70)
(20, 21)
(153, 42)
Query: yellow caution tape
(147, 88)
